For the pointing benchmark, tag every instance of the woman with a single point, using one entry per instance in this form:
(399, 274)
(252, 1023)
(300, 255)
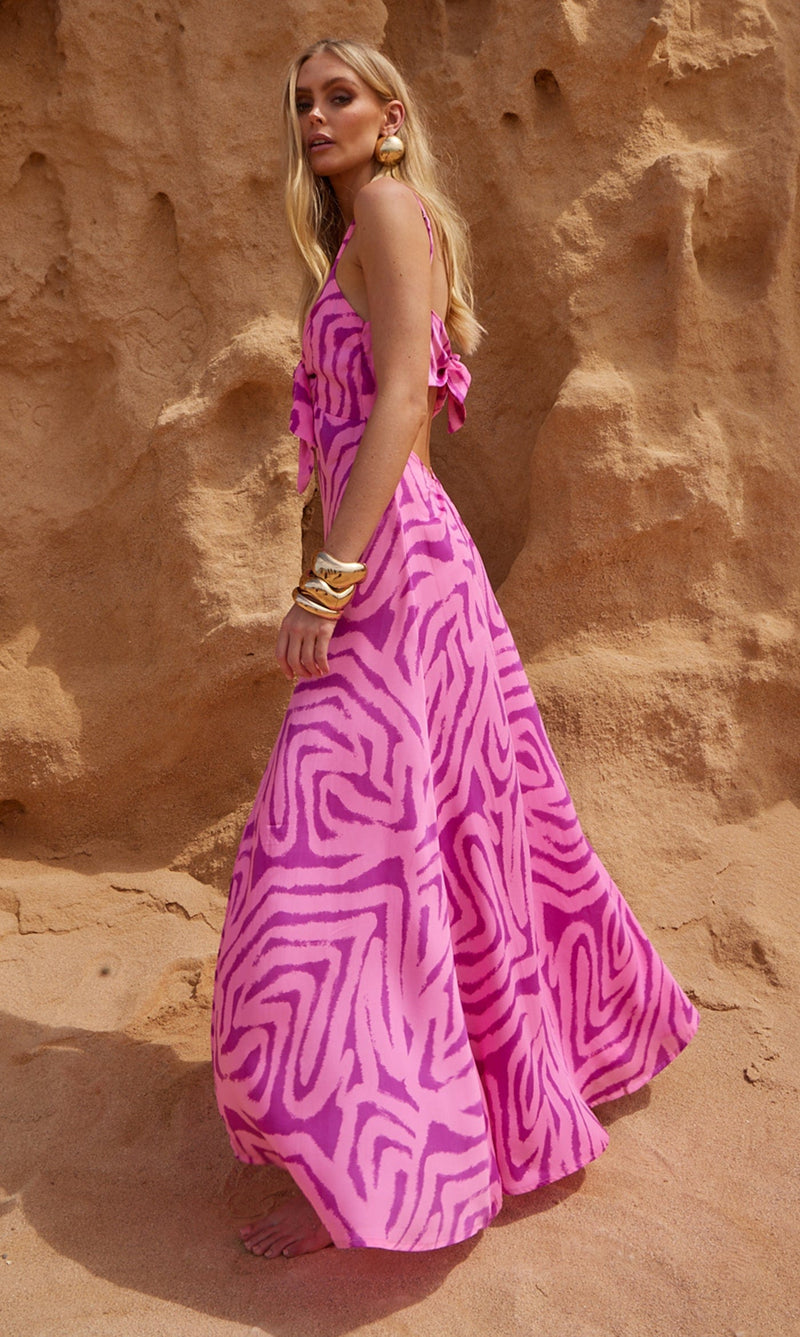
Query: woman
(426, 977)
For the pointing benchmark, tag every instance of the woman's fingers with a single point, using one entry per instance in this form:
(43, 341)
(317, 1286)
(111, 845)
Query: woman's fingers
(321, 649)
(301, 649)
(321, 642)
(308, 659)
(294, 654)
(282, 650)
(302, 645)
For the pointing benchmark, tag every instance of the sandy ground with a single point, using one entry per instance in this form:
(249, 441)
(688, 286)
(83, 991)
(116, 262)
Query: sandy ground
(121, 1197)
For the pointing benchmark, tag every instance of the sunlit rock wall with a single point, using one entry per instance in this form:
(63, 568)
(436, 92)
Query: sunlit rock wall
(628, 168)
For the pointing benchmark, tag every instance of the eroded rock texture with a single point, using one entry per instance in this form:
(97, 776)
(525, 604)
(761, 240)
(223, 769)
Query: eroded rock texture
(629, 464)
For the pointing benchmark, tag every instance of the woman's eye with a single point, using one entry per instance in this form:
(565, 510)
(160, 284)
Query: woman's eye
(302, 106)
(342, 99)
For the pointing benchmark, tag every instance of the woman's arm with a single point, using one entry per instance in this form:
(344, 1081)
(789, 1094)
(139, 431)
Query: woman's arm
(394, 253)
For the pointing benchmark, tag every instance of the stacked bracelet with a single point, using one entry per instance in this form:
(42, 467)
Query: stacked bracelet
(329, 585)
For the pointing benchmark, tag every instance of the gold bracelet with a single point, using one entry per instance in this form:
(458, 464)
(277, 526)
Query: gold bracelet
(329, 585)
(339, 575)
(311, 606)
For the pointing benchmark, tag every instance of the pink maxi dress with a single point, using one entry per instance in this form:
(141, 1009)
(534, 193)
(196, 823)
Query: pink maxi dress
(426, 977)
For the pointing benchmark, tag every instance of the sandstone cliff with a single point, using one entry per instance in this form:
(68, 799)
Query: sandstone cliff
(629, 470)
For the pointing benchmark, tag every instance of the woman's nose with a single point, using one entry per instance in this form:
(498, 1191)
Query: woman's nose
(316, 115)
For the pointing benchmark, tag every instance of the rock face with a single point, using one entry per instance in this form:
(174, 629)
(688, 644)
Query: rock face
(629, 464)
(629, 470)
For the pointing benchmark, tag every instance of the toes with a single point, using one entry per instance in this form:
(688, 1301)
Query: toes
(266, 1248)
(310, 1243)
(290, 1229)
(267, 1240)
(257, 1247)
(254, 1234)
(261, 1240)
(278, 1246)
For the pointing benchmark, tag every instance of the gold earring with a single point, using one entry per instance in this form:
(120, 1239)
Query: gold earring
(389, 150)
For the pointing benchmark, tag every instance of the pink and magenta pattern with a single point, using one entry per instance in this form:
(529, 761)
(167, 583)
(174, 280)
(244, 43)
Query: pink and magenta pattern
(426, 976)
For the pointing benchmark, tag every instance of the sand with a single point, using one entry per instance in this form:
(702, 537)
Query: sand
(629, 469)
(122, 1197)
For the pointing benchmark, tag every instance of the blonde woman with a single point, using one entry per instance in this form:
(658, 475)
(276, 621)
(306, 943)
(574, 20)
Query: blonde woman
(426, 977)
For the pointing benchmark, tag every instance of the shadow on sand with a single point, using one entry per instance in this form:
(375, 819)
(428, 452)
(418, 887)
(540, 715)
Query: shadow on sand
(117, 1154)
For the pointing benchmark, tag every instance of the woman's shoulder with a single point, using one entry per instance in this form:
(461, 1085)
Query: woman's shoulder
(385, 200)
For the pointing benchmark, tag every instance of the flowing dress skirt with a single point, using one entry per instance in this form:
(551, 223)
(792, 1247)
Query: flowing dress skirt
(426, 976)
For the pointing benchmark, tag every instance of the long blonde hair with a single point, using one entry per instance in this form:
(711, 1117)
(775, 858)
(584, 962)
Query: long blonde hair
(315, 220)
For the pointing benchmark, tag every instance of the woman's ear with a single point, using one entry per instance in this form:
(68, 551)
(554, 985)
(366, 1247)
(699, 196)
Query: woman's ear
(394, 113)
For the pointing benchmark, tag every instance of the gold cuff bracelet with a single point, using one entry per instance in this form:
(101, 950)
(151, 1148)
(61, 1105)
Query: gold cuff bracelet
(329, 585)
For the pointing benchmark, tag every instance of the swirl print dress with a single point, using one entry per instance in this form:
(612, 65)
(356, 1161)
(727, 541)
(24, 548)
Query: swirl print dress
(426, 977)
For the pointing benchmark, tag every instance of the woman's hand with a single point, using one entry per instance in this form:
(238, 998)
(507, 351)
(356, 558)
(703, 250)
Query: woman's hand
(303, 640)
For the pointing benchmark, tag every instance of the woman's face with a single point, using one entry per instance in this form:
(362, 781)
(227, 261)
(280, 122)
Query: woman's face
(340, 116)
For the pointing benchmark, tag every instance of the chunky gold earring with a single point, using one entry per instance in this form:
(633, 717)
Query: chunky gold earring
(389, 150)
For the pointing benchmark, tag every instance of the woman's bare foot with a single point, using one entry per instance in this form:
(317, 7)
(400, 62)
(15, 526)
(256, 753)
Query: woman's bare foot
(290, 1227)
